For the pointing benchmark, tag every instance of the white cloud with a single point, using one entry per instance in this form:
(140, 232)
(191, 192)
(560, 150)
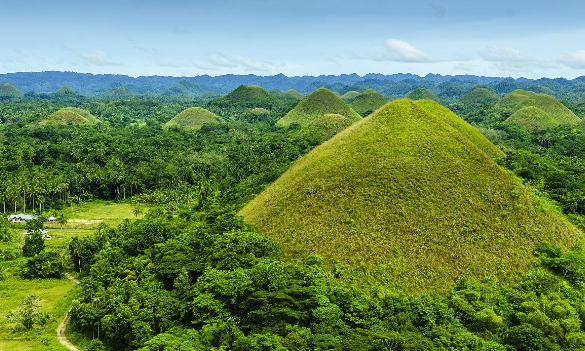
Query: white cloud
(400, 51)
(574, 60)
(498, 54)
(241, 62)
(98, 58)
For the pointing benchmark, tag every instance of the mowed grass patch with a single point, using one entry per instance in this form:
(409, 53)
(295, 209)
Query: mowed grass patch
(55, 297)
(111, 213)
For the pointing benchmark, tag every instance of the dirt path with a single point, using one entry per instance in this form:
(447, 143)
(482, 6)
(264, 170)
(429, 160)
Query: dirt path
(63, 325)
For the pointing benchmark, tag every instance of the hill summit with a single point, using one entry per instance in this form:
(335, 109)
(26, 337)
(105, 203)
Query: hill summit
(406, 199)
(315, 105)
(193, 118)
(9, 91)
(70, 116)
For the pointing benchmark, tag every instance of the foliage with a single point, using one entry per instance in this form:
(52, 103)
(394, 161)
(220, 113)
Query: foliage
(28, 314)
(33, 244)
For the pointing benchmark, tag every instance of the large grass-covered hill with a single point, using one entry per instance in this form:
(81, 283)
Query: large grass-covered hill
(315, 105)
(410, 198)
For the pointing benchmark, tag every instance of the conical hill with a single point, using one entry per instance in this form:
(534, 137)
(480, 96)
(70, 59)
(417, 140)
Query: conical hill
(9, 91)
(193, 118)
(247, 96)
(532, 119)
(480, 97)
(368, 102)
(315, 105)
(421, 94)
(519, 99)
(405, 199)
(71, 116)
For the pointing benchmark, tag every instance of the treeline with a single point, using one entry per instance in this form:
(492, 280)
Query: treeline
(48, 166)
(206, 281)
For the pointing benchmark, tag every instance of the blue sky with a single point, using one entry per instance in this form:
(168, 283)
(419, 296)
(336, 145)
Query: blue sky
(301, 37)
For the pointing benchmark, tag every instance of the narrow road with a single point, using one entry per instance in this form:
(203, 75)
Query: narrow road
(63, 325)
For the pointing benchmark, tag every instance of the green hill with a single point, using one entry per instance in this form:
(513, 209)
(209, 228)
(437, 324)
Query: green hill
(350, 96)
(368, 102)
(325, 127)
(70, 116)
(405, 199)
(294, 93)
(247, 96)
(119, 93)
(315, 105)
(519, 99)
(193, 118)
(532, 119)
(184, 88)
(421, 94)
(511, 102)
(480, 97)
(9, 91)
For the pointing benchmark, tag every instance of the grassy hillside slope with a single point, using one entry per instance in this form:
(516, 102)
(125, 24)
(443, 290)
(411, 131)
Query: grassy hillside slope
(421, 94)
(405, 199)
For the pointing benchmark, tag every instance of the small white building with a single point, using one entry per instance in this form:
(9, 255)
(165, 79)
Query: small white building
(21, 218)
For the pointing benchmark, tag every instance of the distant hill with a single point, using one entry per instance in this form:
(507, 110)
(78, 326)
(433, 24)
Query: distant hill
(518, 99)
(532, 119)
(315, 105)
(480, 97)
(368, 102)
(193, 118)
(8, 91)
(70, 116)
(405, 199)
(185, 88)
(421, 94)
(247, 96)
(294, 93)
(119, 93)
(350, 96)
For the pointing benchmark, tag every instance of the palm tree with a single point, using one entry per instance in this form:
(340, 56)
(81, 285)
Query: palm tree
(62, 220)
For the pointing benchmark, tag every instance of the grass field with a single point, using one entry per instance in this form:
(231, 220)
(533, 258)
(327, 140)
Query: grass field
(56, 294)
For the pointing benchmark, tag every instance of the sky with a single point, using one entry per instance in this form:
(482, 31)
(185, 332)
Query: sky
(529, 39)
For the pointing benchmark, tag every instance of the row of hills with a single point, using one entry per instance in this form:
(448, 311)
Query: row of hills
(526, 109)
(448, 88)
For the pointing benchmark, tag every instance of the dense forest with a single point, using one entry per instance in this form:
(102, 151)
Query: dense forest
(192, 275)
